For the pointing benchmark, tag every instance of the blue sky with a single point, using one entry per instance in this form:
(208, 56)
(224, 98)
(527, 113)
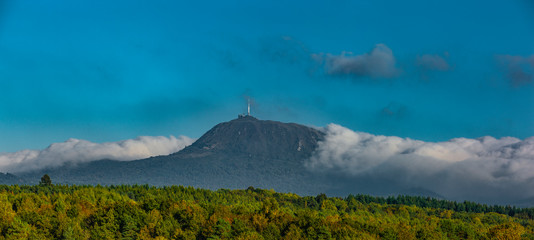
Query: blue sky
(106, 71)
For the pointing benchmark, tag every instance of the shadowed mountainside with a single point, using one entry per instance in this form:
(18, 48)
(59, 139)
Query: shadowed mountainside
(236, 154)
(10, 179)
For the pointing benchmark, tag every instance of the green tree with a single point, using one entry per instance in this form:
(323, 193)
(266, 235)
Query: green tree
(45, 180)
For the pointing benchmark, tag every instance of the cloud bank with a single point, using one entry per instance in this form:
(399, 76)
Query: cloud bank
(484, 169)
(79, 151)
(378, 63)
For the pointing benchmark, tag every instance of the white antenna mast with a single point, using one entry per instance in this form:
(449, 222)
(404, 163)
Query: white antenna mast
(248, 109)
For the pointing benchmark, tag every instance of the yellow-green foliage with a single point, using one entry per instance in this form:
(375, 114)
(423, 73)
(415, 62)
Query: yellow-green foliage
(143, 212)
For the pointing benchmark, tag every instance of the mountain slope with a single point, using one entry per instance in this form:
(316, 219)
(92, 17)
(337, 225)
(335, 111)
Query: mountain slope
(257, 138)
(236, 154)
(10, 179)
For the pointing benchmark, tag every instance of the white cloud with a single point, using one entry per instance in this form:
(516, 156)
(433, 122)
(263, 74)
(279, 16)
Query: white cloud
(484, 169)
(78, 151)
(379, 63)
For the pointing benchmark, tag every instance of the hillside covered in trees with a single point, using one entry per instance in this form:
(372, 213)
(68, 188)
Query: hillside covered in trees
(143, 212)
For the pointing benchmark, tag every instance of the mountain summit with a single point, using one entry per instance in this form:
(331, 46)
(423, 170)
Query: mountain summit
(249, 136)
(235, 154)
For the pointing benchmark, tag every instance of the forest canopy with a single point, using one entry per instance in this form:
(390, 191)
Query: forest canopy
(143, 212)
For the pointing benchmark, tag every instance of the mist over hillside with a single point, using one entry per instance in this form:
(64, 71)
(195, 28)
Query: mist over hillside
(290, 157)
(236, 154)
